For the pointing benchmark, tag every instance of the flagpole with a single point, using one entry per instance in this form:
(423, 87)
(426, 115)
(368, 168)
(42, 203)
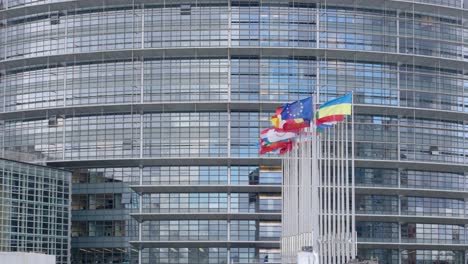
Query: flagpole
(353, 198)
(339, 202)
(329, 195)
(347, 196)
(332, 200)
(283, 193)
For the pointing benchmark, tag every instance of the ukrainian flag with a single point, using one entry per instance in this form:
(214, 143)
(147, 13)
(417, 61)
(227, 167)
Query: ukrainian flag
(335, 110)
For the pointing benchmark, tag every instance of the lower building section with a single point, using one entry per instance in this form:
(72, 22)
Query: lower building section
(413, 256)
(34, 211)
(232, 214)
(101, 255)
(210, 255)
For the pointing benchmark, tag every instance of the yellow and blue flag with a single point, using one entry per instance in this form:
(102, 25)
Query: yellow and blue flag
(334, 110)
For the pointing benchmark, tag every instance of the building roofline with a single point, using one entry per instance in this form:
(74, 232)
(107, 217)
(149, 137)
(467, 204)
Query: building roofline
(36, 165)
(395, 5)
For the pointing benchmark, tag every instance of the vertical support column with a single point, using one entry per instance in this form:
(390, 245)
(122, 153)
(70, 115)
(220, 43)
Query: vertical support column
(399, 178)
(229, 72)
(5, 52)
(3, 78)
(140, 210)
(399, 204)
(142, 26)
(65, 84)
(69, 219)
(66, 32)
(229, 130)
(142, 80)
(229, 25)
(142, 67)
(317, 26)
(141, 133)
(3, 131)
(463, 19)
(64, 138)
(399, 232)
(398, 85)
(229, 183)
(464, 143)
(398, 138)
(229, 240)
(398, 32)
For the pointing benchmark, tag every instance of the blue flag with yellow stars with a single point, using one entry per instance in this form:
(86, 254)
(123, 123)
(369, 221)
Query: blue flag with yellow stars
(298, 109)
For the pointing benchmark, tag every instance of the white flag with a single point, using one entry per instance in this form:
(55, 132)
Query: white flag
(274, 135)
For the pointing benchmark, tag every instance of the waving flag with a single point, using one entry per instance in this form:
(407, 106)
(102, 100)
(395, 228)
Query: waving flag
(298, 109)
(276, 119)
(334, 110)
(271, 135)
(282, 146)
(293, 116)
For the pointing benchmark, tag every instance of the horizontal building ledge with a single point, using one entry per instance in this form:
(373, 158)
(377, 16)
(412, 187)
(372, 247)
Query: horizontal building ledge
(89, 4)
(438, 193)
(206, 188)
(203, 244)
(225, 52)
(99, 242)
(412, 192)
(142, 217)
(100, 215)
(396, 245)
(412, 165)
(221, 106)
(172, 161)
(150, 107)
(236, 161)
(412, 219)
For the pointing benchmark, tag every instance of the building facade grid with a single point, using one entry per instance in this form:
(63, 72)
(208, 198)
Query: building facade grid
(35, 210)
(156, 106)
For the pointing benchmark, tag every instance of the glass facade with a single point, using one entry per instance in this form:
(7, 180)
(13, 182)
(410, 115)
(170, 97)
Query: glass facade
(156, 106)
(35, 209)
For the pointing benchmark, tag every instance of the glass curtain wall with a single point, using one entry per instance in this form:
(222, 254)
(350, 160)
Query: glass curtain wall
(156, 107)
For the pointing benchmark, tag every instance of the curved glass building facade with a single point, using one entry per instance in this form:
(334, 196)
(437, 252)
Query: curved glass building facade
(157, 107)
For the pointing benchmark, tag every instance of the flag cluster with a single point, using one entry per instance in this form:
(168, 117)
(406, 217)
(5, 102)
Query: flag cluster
(291, 118)
(287, 123)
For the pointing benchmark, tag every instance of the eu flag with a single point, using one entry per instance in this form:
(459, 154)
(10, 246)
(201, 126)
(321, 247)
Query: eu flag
(298, 109)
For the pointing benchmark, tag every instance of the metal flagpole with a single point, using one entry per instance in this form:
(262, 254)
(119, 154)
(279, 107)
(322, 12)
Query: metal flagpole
(353, 200)
(285, 208)
(343, 201)
(347, 196)
(328, 195)
(332, 200)
(338, 195)
(321, 197)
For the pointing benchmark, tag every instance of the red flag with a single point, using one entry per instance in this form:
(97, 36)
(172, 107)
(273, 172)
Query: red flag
(295, 124)
(286, 149)
(330, 119)
(281, 145)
